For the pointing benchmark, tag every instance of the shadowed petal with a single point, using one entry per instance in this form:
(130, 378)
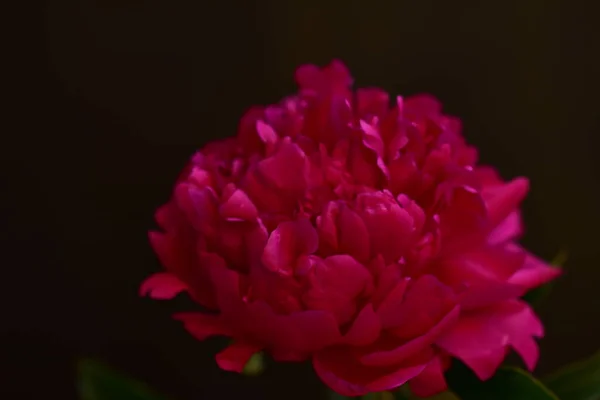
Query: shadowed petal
(162, 286)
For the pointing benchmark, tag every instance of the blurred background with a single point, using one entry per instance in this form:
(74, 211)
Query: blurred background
(110, 98)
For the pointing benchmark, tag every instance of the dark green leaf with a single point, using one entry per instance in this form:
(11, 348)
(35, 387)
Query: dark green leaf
(97, 381)
(507, 384)
(538, 295)
(404, 393)
(256, 365)
(336, 396)
(579, 381)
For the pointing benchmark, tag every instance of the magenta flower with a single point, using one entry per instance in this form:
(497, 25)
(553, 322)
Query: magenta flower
(363, 237)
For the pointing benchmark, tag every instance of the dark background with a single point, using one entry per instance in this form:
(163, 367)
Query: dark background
(107, 99)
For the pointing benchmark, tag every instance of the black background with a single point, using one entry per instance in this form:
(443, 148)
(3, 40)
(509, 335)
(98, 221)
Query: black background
(107, 99)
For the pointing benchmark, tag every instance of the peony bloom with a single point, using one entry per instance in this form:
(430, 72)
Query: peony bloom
(363, 237)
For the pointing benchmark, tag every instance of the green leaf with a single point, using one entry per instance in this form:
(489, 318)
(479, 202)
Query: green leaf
(578, 381)
(97, 381)
(255, 366)
(404, 393)
(538, 295)
(508, 383)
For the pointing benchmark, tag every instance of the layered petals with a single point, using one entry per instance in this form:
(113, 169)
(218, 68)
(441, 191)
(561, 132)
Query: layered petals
(353, 231)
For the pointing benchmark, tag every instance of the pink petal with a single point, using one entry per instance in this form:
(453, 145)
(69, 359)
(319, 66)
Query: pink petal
(266, 133)
(387, 276)
(488, 293)
(372, 102)
(312, 77)
(335, 285)
(365, 329)
(534, 273)
(285, 168)
(373, 141)
(177, 252)
(429, 382)
(353, 235)
(388, 309)
(235, 357)
(203, 326)
(287, 242)
(413, 347)
(297, 334)
(390, 226)
(425, 303)
(339, 370)
(162, 286)
(528, 349)
(247, 135)
(341, 230)
(486, 363)
(403, 174)
(199, 205)
(302, 332)
(463, 219)
(509, 229)
(480, 338)
(480, 266)
(422, 104)
(238, 207)
(503, 200)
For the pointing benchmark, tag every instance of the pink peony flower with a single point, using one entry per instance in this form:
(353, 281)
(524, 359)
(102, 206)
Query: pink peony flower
(363, 237)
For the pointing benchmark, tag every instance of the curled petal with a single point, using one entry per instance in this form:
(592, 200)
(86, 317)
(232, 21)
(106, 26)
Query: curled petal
(286, 243)
(162, 286)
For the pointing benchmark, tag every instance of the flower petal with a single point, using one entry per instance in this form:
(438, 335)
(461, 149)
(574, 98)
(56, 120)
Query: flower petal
(335, 284)
(509, 229)
(162, 286)
(339, 370)
(501, 201)
(534, 273)
(429, 382)
(413, 347)
(238, 207)
(203, 326)
(365, 329)
(286, 243)
(390, 227)
(480, 338)
(235, 357)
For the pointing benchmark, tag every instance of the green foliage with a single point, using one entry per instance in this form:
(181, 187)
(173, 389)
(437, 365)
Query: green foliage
(578, 381)
(97, 381)
(256, 365)
(508, 383)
